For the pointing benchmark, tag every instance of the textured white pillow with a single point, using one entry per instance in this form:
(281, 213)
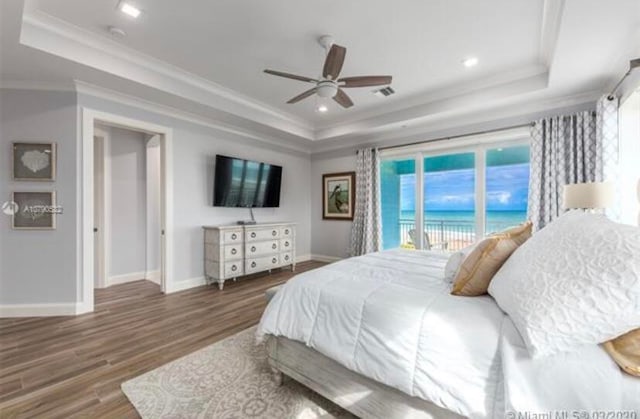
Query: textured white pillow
(455, 260)
(576, 282)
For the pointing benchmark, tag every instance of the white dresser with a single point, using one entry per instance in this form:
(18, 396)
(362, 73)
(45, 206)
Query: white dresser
(231, 251)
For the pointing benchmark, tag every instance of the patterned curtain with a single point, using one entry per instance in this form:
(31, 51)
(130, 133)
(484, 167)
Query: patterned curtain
(366, 227)
(564, 149)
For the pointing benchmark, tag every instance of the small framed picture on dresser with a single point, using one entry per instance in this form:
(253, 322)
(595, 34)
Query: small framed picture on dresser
(34, 161)
(34, 210)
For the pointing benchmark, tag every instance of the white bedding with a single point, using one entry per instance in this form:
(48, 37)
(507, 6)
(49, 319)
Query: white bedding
(389, 316)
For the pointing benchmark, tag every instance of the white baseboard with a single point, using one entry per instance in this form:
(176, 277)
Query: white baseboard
(39, 310)
(124, 278)
(303, 258)
(185, 284)
(153, 276)
(325, 258)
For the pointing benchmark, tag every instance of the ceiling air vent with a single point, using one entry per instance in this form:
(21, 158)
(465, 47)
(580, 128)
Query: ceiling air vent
(384, 92)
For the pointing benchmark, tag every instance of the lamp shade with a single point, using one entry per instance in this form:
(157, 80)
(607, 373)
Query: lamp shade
(588, 195)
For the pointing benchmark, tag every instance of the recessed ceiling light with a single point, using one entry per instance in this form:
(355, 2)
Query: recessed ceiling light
(129, 9)
(470, 62)
(322, 108)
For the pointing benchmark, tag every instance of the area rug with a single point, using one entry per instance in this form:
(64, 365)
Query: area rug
(229, 379)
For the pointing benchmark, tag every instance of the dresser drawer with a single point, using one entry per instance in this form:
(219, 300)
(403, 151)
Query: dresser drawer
(232, 236)
(233, 269)
(286, 245)
(233, 251)
(259, 234)
(286, 258)
(261, 263)
(286, 231)
(261, 248)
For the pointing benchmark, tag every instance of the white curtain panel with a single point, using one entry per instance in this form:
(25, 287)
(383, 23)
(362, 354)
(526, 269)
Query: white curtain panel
(564, 149)
(607, 125)
(367, 226)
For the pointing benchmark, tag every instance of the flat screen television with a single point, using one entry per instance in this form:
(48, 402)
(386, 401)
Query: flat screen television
(246, 183)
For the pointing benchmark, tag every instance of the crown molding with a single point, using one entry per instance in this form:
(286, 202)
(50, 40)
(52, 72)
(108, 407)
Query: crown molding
(442, 102)
(552, 12)
(50, 34)
(37, 85)
(524, 110)
(159, 109)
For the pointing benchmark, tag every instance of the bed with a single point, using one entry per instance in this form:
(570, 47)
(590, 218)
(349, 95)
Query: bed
(381, 336)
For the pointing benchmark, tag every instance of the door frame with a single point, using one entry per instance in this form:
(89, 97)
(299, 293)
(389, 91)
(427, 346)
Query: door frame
(89, 118)
(102, 196)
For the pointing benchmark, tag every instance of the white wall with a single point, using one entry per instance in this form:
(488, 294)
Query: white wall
(194, 150)
(128, 202)
(40, 266)
(330, 237)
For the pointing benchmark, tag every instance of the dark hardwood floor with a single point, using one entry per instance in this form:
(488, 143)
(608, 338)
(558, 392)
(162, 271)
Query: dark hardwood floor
(70, 367)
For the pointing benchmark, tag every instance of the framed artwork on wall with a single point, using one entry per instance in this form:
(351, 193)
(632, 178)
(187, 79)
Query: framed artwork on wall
(34, 161)
(34, 210)
(338, 195)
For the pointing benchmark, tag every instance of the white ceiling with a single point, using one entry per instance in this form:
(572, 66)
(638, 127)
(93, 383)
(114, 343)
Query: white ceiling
(231, 42)
(528, 49)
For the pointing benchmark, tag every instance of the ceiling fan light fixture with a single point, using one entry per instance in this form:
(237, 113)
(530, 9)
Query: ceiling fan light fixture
(327, 88)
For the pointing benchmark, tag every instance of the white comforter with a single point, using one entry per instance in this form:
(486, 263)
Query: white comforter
(389, 316)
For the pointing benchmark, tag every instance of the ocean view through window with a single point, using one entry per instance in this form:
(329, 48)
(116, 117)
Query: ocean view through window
(452, 213)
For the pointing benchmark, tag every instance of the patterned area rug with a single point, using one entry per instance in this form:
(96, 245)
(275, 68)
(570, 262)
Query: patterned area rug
(229, 379)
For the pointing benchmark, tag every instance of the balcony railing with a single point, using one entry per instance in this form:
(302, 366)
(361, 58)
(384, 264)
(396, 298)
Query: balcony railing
(449, 235)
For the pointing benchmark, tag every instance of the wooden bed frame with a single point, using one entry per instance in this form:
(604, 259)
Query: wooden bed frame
(353, 392)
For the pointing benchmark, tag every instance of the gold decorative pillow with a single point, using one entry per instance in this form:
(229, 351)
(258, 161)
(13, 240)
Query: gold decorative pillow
(625, 350)
(483, 262)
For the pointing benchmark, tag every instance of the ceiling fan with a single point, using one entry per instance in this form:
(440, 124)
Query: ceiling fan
(329, 85)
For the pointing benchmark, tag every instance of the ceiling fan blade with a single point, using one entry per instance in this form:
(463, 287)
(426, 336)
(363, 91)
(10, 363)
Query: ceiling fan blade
(290, 76)
(363, 81)
(333, 62)
(302, 96)
(343, 99)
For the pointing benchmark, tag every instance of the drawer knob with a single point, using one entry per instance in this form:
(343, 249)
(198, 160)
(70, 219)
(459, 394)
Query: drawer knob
(234, 268)
(234, 236)
(234, 251)
(286, 257)
(273, 246)
(273, 233)
(253, 235)
(253, 264)
(274, 260)
(286, 231)
(286, 244)
(253, 248)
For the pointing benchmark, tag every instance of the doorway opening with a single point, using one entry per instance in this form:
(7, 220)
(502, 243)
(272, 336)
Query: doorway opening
(126, 203)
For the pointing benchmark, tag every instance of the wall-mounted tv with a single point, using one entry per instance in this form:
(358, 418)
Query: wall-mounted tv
(246, 183)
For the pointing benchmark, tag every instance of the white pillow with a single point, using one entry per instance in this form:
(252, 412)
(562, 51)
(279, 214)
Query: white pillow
(455, 261)
(574, 283)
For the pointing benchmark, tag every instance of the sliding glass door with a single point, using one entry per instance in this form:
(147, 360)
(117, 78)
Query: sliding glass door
(448, 200)
(507, 187)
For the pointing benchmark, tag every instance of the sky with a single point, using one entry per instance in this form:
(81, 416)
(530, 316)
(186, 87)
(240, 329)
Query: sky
(453, 190)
